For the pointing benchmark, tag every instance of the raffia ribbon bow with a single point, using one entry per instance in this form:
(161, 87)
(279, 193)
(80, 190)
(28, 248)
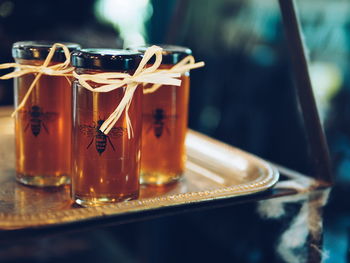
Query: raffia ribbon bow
(114, 80)
(60, 69)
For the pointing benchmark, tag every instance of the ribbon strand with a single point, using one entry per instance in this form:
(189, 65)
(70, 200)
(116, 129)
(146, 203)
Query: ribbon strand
(60, 69)
(182, 67)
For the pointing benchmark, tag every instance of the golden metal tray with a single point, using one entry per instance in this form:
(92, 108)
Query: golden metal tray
(214, 171)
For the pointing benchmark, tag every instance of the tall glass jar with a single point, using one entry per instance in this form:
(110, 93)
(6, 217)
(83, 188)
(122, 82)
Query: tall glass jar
(43, 126)
(106, 167)
(165, 124)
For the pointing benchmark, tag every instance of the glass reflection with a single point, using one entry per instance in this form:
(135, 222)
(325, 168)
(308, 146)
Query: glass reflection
(301, 240)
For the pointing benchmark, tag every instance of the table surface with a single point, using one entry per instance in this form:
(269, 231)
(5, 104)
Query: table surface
(296, 222)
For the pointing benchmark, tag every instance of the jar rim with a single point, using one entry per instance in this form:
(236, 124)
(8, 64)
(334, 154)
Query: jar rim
(172, 54)
(106, 59)
(38, 50)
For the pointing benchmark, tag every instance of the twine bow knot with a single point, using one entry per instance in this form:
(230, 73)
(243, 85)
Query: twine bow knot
(114, 80)
(59, 69)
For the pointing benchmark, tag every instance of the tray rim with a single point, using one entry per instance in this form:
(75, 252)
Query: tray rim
(65, 217)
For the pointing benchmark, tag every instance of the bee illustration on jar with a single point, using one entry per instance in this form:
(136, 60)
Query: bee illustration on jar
(158, 122)
(101, 140)
(37, 119)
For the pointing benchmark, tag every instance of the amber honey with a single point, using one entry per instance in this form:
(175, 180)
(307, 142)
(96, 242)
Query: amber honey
(165, 125)
(43, 126)
(106, 167)
(163, 134)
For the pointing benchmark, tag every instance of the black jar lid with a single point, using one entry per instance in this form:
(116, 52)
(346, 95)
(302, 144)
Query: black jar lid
(171, 54)
(38, 50)
(106, 59)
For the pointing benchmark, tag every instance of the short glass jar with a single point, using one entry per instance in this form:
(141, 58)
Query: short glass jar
(43, 126)
(106, 167)
(165, 115)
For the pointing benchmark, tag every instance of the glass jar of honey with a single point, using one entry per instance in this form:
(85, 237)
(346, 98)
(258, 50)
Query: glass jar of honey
(165, 114)
(106, 167)
(43, 125)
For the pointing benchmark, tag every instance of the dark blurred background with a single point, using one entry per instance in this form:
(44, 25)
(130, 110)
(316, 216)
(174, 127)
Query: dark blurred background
(243, 96)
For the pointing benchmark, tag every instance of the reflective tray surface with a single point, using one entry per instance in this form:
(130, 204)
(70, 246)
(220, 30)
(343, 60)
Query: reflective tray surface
(214, 170)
